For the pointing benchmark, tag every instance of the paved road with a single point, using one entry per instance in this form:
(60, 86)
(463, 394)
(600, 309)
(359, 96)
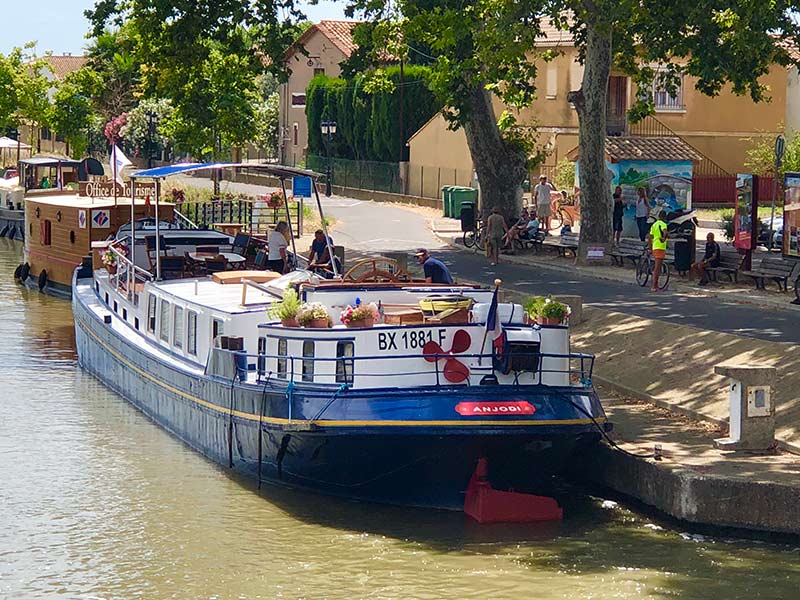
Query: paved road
(373, 227)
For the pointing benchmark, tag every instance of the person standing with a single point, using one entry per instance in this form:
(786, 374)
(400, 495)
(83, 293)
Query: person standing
(642, 207)
(496, 229)
(435, 270)
(619, 208)
(541, 192)
(278, 257)
(658, 243)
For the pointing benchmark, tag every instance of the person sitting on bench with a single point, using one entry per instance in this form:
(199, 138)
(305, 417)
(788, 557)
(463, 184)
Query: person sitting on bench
(522, 231)
(711, 258)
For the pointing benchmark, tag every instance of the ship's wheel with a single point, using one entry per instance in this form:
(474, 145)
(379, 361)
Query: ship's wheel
(376, 269)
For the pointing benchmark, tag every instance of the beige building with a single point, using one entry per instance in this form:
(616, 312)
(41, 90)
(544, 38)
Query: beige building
(326, 45)
(721, 129)
(43, 140)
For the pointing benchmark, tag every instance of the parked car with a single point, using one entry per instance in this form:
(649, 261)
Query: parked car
(777, 231)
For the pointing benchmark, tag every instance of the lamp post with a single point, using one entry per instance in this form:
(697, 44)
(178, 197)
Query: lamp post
(151, 128)
(328, 129)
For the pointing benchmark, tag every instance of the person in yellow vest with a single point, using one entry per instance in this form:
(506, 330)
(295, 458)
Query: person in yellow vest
(658, 243)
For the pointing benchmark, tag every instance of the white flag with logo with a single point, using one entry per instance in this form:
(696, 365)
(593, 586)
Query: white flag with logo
(118, 162)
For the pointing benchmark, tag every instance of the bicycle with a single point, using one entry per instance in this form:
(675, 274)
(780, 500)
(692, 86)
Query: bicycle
(475, 237)
(559, 215)
(644, 269)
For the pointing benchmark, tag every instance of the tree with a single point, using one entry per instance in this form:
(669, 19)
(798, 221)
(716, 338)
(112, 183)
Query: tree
(136, 131)
(8, 92)
(761, 157)
(72, 115)
(205, 57)
(32, 89)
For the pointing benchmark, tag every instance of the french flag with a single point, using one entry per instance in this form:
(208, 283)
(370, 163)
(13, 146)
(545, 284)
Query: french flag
(494, 328)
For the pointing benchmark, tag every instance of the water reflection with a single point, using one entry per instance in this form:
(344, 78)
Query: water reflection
(98, 502)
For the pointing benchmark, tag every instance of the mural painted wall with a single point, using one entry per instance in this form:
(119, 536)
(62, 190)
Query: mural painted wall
(668, 185)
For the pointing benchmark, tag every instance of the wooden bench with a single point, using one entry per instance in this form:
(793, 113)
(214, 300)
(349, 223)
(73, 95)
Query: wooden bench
(730, 263)
(568, 242)
(774, 268)
(627, 248)
(534, 242)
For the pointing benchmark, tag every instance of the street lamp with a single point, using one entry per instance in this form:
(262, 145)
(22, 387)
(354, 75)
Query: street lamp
(152, 118)
(328, 129)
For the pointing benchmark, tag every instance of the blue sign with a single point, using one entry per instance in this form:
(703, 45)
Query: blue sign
(301, 187)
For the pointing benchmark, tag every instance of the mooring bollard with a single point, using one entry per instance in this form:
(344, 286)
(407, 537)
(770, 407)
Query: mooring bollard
(575, 304)
(752, 416)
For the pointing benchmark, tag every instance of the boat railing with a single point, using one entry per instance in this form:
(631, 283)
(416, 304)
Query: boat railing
(577, 367)
(186, 221)
(127, 276)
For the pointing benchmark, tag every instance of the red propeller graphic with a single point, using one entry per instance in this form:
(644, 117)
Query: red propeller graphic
(454, 370)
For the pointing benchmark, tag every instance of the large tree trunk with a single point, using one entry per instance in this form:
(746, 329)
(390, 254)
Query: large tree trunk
(590, 104)
(501, 169)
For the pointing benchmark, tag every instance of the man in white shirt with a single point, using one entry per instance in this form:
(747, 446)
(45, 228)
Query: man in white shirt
(541, 192)
(278, 257)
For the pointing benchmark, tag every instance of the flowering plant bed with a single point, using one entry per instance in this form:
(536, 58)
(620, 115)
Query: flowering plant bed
(546, 311)
(362, 315)
(314, 314)
(275, 199)
(286, 309)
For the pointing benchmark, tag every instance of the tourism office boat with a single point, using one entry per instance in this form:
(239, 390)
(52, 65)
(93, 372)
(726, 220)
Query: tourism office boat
(410, 411)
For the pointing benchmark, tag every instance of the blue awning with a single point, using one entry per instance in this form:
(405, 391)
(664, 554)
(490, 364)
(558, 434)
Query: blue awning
(159, 172)
(269, 169)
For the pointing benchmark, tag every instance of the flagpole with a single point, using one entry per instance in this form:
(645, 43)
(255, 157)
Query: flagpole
(133, 236)
(497, 283)
(114, 162)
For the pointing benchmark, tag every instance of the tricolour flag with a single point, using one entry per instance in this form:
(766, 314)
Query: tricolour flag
(118, 162)
(494, 329)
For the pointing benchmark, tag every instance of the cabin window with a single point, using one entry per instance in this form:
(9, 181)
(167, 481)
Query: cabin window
(71, 237)
(217, 328)
(165, 320)
(282, 358)
(46, 233)
(262, 359)
(106, 298)
(191, 332)
(136, 323)
(125, 314)
(178, 326)
(116, 306)
(151, 314)
(308, 360)
(344, 362)
(97, 286)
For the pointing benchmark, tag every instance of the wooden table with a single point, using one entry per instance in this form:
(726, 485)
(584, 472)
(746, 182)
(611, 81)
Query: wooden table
(230, 228)
(232, 258)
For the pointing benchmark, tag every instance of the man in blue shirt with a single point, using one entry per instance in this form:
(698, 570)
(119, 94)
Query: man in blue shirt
(435, 270)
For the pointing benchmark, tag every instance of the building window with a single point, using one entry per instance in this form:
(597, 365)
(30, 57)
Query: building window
(262, 359)
(299, 100)
(344, 362)
(151, 314)
(551, 81)
(308, 360)
(575, 75)
(46, 134)
(165, 320)
(191, 332)
(282, 358)
(663, 99)
(295, 133)
(178, 327)
(59, 137)
(319, 71)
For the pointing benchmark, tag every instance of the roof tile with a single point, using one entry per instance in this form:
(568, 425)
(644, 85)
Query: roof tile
(63, 65)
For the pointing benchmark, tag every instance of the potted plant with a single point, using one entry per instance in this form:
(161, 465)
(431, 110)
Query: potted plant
(286, 309)
(314, 315)
(109, 259)
(275, 199)
(546, 311)
(363, 315)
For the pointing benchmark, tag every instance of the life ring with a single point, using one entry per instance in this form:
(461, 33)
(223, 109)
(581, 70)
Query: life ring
(24, 271)
(42, 279)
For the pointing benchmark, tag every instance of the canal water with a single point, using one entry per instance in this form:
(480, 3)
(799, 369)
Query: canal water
(97, 502)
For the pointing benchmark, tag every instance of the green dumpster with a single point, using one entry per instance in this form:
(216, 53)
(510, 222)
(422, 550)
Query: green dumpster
(459, 194)
(446, 200)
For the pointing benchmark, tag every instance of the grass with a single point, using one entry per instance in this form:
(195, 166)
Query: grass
(715, 214)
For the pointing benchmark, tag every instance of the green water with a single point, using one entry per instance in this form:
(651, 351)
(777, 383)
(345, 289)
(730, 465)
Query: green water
(97, 502)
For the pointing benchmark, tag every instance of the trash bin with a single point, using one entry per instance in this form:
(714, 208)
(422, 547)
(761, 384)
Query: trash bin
(467, 214)
(459, 194)
(446, 199)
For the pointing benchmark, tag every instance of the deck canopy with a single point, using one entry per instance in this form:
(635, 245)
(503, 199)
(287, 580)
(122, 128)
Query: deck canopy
(274, 170)
(50, 161)
(8, 143)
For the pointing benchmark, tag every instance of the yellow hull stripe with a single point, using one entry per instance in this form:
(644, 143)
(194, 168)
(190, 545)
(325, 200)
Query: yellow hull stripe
(325, 423)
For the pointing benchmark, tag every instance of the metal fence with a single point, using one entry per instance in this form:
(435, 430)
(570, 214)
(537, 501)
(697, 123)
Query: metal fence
(361, 174)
